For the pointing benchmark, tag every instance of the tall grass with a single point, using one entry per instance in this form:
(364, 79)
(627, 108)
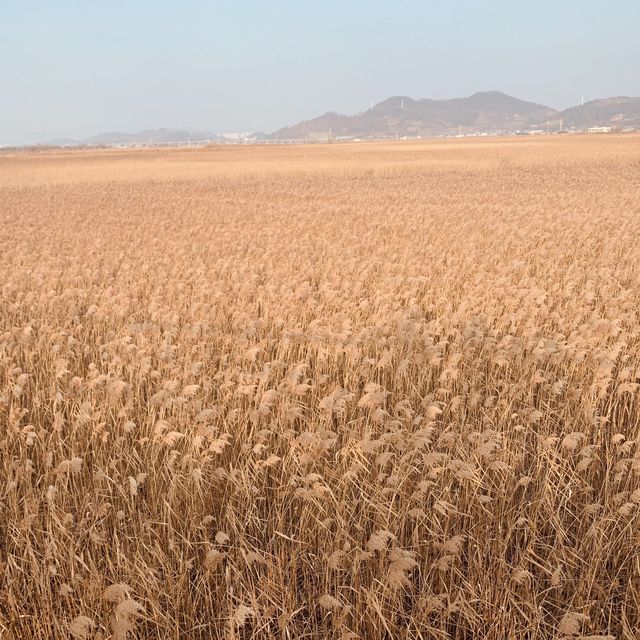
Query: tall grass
(376, 391)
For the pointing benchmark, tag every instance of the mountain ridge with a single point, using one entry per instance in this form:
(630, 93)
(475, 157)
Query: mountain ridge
(146, 136)
(483, 111)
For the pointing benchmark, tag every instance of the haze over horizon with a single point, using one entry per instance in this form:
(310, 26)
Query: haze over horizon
(74, 71)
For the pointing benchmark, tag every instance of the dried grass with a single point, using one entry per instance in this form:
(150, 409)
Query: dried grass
(368, 391)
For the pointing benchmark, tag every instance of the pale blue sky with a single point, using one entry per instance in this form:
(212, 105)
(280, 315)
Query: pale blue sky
(78, 68)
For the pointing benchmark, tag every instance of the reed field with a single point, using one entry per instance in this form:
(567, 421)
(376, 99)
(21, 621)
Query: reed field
(354, 391)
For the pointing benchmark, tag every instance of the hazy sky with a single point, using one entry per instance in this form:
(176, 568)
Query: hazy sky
(83, 67)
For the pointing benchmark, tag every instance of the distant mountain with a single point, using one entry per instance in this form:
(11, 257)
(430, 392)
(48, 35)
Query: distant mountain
(620, 112)
(402, 115)
(482, 112)
(148, 136)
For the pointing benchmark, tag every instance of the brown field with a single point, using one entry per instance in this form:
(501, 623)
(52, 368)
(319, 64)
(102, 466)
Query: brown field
(340, 391)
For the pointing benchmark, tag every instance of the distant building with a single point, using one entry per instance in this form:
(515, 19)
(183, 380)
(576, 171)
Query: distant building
(320, 136)
(599, 129)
